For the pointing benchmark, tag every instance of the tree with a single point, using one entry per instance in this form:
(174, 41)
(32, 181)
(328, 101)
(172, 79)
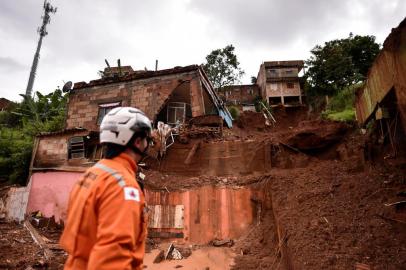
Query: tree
(340, 63)
(253, 79)
(222, 67)
(18, 126)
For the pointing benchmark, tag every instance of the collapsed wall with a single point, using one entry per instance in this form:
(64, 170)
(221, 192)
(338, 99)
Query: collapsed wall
(218, 158)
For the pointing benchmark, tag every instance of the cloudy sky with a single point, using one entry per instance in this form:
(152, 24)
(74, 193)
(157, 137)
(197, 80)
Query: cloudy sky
(176, 32)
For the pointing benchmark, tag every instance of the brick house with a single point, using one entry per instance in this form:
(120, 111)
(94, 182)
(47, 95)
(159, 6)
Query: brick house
(241, 95)
(279, 82)
(172, 96)
(4, 104)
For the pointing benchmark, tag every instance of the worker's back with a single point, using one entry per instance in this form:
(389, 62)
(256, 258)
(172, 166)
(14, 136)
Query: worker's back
(106, 226)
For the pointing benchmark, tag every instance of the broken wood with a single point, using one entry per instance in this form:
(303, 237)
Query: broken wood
(191, 153)
(38, 240)
(225, 242)
(397, 204)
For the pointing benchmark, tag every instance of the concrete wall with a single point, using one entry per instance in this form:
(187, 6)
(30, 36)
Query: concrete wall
(49, 193)
(261, 80)
(209, 212)
(282, 72)
(14, 204)
(280, 89)
(148, 94)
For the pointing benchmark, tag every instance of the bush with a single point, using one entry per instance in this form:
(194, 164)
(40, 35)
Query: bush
(15, 155)
(341, 106)
(348, 115)
(19, 126)
(235, 113)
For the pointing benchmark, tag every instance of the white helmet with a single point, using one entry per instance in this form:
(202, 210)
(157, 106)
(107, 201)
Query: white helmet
(119, 125)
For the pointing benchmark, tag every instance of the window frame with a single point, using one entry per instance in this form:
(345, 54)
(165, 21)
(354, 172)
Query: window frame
(106, 107)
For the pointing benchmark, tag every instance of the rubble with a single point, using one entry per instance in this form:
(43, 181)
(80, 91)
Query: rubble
(221, 243)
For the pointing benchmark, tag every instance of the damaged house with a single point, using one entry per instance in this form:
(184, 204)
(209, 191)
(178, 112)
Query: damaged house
(172, 96)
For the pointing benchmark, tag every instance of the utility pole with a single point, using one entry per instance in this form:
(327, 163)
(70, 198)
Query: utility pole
(42, 31)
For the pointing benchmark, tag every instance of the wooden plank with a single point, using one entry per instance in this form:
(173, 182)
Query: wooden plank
(166, 216)
(192, 152)
(38, 240)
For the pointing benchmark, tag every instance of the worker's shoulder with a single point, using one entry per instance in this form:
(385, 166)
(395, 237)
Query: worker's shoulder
(110, 171)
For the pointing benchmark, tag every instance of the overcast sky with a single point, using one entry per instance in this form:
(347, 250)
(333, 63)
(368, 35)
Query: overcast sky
(176, 32)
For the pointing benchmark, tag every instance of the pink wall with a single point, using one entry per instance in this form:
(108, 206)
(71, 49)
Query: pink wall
(50, 193)
(210, 212)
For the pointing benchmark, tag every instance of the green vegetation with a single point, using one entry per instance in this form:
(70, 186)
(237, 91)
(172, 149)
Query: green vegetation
(335, 71)
(258, 106)
(222, 67)
(341, 106)
(347, 115)
(19, 124)
(340, 63)
(235, 113)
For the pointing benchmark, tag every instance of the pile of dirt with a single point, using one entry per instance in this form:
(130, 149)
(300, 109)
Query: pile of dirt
(258, 248)
(251, 120)
(19, 251)
(334, 217)
(289, 117)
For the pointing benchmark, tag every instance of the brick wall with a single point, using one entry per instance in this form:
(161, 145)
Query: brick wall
(53, 150)
(240, 94)
(148, 94)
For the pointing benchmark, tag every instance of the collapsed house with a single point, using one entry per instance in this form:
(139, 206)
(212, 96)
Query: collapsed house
(173, 96)
(382, 99)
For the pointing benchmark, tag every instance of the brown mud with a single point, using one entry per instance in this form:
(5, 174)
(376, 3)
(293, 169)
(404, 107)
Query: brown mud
(328, 201)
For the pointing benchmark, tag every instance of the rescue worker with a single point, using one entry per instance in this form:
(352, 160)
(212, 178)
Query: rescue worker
(106, 225)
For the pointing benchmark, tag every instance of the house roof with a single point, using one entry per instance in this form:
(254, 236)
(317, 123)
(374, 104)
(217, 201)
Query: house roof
(135, 76)
(4, 103)
(61, 132)
(290, 63)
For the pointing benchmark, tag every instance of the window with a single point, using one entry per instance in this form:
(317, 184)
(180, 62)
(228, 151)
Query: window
(76, 147)
(290, 85)
(176, 112)
(289, 72)
(105, 108)
(275, 100)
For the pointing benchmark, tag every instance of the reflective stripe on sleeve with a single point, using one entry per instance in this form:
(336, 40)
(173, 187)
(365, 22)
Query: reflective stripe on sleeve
(113, 173)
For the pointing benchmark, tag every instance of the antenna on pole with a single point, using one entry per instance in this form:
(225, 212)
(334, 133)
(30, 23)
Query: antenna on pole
(42, 31)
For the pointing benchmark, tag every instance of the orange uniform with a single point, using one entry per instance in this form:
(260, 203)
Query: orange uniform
(106, 225)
